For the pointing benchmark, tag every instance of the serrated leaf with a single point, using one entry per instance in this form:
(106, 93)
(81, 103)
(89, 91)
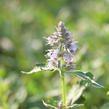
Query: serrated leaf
(87, 77)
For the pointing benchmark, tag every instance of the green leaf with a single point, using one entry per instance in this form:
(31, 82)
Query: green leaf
(40, 65)
(74, 106)
(95, 84)
(81, 75)
(37, 68)
(75, 93)
(87, 77)
(90, 75)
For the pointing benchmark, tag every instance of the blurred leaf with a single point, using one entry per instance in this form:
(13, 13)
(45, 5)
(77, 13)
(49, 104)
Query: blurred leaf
(48, 105)
(75, 93)
(105, 106)
(2, 72)
(75, 106)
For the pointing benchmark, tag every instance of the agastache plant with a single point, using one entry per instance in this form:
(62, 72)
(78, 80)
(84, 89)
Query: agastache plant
(61, 58)
(62, 53)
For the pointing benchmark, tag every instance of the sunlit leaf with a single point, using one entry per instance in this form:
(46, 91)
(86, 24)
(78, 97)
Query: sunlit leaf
(37, 68)
(48, 105)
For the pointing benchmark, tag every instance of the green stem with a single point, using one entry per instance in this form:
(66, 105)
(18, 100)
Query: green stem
(63, 89)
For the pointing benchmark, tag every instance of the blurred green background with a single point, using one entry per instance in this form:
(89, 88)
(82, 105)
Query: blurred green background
(23, 26)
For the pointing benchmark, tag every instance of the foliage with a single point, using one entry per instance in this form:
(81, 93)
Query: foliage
(105, 106)
(24, 23)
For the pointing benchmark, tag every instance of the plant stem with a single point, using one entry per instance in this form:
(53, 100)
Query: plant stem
(63, 87)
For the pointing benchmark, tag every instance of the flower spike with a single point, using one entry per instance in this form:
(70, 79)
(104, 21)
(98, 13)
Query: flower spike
(63, 48)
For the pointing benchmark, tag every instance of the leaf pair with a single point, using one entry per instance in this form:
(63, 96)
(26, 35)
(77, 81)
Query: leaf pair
(87, 77)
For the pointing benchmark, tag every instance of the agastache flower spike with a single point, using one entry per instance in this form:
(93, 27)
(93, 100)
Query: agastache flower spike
(63, 48)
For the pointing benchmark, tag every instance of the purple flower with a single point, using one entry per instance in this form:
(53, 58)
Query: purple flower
(62, 44)
(72, 46)
(67, 57)
(72, 66)
(57, 34)
(51, 64)
(67, 35)
(63, 31)
(61, 27)
(53, 53)
(53, 42)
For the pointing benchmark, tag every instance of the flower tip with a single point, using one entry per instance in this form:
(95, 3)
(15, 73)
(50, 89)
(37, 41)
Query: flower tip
(60, 24)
